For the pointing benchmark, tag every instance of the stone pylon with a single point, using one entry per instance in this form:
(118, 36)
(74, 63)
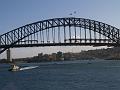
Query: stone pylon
(9, 58)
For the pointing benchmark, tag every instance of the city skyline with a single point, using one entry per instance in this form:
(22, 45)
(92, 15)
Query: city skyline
(18, 13)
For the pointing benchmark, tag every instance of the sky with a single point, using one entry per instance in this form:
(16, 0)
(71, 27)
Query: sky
(16, 13)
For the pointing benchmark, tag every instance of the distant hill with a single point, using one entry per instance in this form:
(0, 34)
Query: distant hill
(108, 54)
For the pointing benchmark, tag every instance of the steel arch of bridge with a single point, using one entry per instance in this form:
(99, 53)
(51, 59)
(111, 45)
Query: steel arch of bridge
(27, 36)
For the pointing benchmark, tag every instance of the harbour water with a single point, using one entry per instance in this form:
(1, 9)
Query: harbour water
(65, 75)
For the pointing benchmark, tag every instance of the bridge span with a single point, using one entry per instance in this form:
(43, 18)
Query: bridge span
(61, 32)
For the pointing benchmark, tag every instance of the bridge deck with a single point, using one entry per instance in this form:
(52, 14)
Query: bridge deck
(61, 44)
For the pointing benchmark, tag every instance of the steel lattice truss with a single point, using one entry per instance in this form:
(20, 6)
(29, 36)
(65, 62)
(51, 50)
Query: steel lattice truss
(61, 32)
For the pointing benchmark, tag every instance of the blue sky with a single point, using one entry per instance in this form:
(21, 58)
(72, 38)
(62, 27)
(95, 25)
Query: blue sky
(16, 13)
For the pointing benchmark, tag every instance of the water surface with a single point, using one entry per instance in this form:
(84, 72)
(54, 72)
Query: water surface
(68, 75)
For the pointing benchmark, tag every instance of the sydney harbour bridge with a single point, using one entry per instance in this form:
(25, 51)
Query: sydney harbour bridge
(69, 31)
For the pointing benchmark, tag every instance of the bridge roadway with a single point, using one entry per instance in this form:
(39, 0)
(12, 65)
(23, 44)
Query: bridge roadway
(75, 43)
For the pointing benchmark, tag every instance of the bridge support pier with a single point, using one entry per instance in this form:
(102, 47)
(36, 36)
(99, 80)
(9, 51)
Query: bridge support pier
(9, 58)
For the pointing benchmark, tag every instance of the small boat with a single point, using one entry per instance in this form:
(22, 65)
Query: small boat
(14, 68)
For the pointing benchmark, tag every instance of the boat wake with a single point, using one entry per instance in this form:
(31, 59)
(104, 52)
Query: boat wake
(30, 67)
